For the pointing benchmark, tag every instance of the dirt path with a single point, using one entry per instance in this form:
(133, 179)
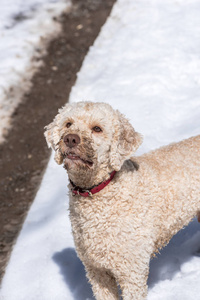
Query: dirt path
(24, 155)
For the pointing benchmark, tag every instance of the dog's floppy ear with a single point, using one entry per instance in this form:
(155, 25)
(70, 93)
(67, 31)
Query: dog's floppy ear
(125, 142)
(52, 137)
(52, 133)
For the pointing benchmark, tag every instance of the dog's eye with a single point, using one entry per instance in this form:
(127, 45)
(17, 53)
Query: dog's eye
(96, 129)
(68, 124)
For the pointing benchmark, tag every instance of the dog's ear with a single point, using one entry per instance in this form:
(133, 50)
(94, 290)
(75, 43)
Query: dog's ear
(52, 137)
(52, 133)
(125, 142)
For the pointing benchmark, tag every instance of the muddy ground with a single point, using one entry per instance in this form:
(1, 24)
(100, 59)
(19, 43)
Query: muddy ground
(24, 155)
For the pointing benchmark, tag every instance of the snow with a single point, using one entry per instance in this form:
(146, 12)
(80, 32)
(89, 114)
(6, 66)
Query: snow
(25, 29)
(145, 62)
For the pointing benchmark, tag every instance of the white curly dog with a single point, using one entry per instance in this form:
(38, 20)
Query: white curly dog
(123, 209)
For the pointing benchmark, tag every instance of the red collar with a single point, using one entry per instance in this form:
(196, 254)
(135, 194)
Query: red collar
(89, 192)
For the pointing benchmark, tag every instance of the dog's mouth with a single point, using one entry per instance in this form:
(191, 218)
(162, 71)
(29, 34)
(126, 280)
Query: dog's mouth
(73, 157)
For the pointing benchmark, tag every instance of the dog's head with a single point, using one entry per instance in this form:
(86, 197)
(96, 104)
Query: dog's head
(91, 139)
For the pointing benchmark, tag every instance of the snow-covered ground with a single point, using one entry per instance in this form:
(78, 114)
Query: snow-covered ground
(25, 28)
(146, 63)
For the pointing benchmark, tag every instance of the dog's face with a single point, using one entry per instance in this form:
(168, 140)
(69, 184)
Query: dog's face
(91, 139)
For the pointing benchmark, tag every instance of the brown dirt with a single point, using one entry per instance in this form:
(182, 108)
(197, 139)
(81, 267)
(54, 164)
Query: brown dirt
(24, 155)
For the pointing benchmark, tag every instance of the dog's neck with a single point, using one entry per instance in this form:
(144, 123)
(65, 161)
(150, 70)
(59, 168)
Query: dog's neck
(76, 190)
(86, 179)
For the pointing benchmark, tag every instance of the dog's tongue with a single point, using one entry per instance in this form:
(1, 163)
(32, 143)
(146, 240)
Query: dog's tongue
(73, 157)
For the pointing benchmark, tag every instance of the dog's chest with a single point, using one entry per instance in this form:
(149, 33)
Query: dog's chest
(100, 228)
(91, 218)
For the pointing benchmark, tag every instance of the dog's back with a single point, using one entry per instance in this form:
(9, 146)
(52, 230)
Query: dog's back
(176, 173)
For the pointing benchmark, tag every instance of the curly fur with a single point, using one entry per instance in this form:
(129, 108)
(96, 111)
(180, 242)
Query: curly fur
(151, 197)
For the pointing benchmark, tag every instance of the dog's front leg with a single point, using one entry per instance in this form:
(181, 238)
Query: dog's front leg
(132, 278)
(131, 290)
(103, 284)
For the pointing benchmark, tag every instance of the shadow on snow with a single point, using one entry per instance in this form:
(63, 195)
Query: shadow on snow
(73, 273)
(181, 248)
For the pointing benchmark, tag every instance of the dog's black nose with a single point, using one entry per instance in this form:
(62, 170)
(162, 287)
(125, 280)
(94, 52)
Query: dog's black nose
(71, 140)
